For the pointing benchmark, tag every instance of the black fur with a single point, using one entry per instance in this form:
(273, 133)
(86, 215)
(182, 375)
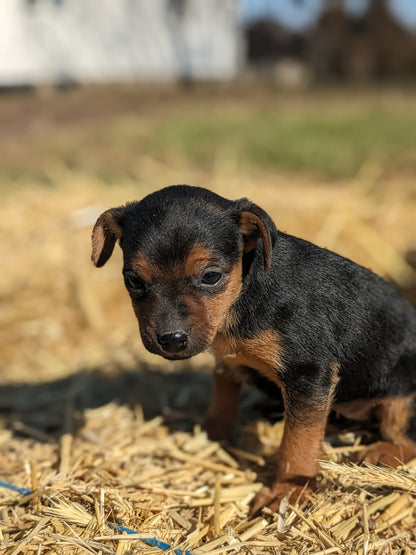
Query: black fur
(328, 308)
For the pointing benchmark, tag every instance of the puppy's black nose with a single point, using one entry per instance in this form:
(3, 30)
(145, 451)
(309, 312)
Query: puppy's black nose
(173, 342)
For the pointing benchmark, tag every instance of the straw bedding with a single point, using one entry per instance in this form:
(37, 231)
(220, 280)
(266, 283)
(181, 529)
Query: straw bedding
(107, 438)
(190, 493)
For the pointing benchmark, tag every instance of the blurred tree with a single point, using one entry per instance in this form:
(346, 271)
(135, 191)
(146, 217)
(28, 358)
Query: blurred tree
(373, 45)
(352, 39)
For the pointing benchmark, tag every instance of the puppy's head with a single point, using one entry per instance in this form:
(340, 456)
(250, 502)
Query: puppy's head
(185, 252)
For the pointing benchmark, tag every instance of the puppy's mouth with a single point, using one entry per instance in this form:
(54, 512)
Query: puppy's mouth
(182, 355)
(177, 356)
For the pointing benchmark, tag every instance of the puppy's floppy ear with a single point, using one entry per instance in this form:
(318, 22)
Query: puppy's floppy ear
(107, 230)
(254, 224)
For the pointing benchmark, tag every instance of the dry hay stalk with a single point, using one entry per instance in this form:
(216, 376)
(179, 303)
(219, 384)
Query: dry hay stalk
(175, 487)
(374, 476)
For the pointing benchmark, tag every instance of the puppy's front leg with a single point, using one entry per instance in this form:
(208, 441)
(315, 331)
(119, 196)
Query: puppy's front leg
(307, 405)
(296, 462)
(222, 412)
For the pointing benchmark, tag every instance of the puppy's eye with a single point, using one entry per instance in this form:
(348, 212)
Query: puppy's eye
(134, 284)
(211, 277)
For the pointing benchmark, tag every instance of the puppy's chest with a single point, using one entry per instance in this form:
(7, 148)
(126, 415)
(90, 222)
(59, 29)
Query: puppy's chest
(262, 352)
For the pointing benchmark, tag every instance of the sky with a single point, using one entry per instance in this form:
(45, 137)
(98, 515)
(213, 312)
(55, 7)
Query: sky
(300, 14)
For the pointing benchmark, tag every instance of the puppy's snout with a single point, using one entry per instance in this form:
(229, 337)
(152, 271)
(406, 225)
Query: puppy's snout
(173, 342)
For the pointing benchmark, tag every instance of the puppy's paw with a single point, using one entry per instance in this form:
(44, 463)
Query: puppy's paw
(383, 453)
(290, 491)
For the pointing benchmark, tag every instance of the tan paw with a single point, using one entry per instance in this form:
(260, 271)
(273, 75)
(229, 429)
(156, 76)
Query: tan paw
(387, 454)
(272, 497)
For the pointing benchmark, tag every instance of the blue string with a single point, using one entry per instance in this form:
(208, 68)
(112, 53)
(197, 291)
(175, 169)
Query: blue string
(165, 546)
(23, 491)
(149, 541)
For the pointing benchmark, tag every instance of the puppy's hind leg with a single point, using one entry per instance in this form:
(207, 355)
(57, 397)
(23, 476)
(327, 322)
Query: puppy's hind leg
(397, 448)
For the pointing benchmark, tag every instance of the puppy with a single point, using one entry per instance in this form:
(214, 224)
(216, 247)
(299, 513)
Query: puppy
(204, 272)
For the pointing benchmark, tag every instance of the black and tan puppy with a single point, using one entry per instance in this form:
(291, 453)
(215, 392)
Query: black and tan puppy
(204, 272)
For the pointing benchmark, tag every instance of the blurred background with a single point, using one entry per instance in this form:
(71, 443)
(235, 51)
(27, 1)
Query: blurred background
(308, 107)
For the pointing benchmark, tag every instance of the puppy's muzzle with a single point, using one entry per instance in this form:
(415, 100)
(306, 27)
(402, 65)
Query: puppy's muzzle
(173, 343)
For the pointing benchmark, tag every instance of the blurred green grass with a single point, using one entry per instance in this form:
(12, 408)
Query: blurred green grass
(323, 135)
(330, 143)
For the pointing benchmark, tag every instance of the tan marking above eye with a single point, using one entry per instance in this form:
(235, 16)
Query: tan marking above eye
(143, 268)
(197, 260)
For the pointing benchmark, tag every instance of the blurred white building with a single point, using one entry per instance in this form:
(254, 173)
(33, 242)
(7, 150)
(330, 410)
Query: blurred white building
(59, 41)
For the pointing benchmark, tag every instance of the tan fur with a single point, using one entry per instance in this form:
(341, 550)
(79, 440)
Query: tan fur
(222, 411)
(253, 228)
(263, 352)
(300, 449)
(383, 453)
(141, 265)
(360, 409)
(198, 259)
(98, 239)
(395, 414)
(104, 236)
